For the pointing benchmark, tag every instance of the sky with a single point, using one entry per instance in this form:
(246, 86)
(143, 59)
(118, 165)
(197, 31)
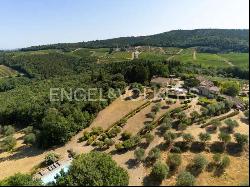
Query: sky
(36, 22)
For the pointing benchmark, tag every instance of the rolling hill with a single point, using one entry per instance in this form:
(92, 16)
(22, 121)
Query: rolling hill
(206, 40)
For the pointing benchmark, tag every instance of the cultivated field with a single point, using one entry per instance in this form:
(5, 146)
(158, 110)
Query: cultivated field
(6, 71)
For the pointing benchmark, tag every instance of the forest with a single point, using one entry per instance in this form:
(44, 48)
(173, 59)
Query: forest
(206, 40)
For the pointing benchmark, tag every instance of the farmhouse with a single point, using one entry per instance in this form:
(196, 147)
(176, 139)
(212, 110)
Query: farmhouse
(207, 88)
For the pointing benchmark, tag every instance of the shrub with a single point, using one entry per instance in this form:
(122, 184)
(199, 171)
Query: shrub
(86, 136)
(139, 154)
(21, 180)
(151, 115)
(51, 158)
(216, 123)
(119, 146)
(113, 132)
(199, 163)
(185, 179)
(160, 171)
(8, 143)
(194, 115)
(96, 131)
(231, 124)
(241, 139)
(164, 127)
(224, 137)
(225, 162)
(175, 149)
(8, 130)
(72, 153)
(154, 154)
(188, 138)
(217, 158)
(126, 135)
(174, 161)
(91, 140)
(149, 138)
(204, 137)
(28, 130)
(94, 169)
(109, 142)
(132, 142)
(182, 126)
(156, 108)
(169, 137)
(30, 139)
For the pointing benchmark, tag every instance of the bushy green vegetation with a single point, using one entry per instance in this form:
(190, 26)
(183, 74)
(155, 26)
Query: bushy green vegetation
(185, 179)
(160, 171)
(94, 169)
(21, 180)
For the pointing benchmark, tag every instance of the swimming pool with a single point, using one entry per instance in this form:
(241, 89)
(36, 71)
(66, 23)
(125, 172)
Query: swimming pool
(50, 177)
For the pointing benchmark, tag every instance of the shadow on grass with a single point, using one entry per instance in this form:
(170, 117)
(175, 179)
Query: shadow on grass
(234, 149)
(132, 163)
(197, 147)
(150, 181)
(217, 147)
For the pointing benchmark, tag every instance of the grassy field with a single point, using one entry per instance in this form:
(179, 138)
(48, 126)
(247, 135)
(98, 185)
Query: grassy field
(6, 71)
(153, 56)
(214, 60)
(237, 59)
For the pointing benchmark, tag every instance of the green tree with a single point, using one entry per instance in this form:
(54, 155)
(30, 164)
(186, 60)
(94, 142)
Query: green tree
(188, 138)
(139, 154)
(169, 137)
(28, 130)
(194, 115)
(149, 138)
(216, 123)
(94, 169)
(21, 180)
(55, 128)
(160, 171)
(225, 162)
(225, 138)
(198, 164)
(154, 154)
(185, 179)
(217, 158)
(126, 135)
(8, 130)
(30, 139)
(231, 124)
(8, 143)
(231, 88)
(174, 161)
(241, 139)
(204, 137)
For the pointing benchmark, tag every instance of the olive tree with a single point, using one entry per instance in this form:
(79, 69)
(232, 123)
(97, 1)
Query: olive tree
(160, 171)
(185, 179)
(139, 154)
(8, 143)
(174, 161)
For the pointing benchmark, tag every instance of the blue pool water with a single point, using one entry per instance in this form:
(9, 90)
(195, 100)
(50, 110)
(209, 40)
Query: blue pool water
(50, 177)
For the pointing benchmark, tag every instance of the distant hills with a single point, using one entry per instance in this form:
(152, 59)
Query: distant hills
(205, 40)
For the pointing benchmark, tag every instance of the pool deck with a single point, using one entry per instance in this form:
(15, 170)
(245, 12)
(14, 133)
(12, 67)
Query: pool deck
(48, 174)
